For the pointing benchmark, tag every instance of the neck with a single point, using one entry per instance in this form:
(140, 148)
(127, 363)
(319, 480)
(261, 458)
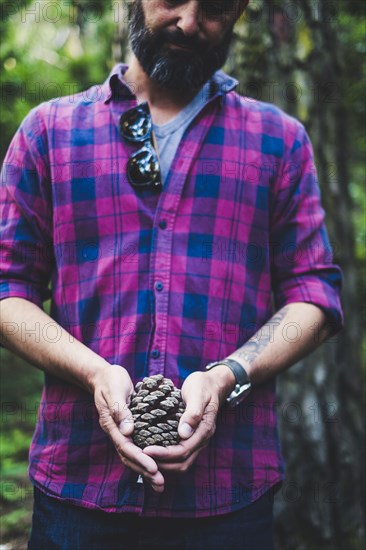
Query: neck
(158, 97)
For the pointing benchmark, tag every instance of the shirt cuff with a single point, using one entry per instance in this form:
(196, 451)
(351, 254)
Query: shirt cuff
(313, 291)
(16, 289)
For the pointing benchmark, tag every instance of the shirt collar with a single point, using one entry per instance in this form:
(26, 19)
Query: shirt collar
(115, 87)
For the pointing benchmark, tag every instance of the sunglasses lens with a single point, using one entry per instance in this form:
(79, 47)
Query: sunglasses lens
(135, 125)
(143, 168)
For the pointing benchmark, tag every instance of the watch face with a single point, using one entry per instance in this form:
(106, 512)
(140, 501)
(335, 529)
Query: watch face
(235, 398)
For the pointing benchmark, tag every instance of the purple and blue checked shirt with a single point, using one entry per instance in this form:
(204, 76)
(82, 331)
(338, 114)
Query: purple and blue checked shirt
(162, 282)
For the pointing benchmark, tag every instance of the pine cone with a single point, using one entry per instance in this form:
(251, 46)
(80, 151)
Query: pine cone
(156, 408)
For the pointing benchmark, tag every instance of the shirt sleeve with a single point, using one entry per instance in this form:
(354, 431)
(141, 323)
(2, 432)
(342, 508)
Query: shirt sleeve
(301, 254)
(26, 258)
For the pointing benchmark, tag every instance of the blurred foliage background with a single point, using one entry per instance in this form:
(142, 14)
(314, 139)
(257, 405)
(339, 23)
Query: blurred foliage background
(308, 57)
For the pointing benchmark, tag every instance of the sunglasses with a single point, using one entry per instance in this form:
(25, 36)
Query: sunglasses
(143, 166)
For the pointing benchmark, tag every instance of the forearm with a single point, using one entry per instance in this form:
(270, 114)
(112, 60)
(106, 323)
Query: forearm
(291, 334)
(64, 356)
(69, 359)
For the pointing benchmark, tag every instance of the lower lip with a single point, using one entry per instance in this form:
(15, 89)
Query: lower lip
(176, 46)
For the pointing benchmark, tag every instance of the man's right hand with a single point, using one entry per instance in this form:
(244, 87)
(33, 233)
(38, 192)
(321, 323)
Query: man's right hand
(113, 389)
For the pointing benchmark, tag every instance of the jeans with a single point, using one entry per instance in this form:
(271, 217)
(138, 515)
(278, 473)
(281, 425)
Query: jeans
(62, 526)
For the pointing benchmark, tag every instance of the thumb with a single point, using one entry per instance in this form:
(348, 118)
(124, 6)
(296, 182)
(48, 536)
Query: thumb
(120, 396)
(190, 419)
(122, 416)
(126, 425)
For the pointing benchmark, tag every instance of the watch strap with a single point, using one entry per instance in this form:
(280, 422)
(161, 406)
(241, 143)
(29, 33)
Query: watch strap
(241, 375)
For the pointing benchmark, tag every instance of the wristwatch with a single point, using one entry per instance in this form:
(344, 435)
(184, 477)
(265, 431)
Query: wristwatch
(243, 384)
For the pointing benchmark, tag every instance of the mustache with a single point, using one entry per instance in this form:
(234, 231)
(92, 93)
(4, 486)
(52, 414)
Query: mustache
(178, 38)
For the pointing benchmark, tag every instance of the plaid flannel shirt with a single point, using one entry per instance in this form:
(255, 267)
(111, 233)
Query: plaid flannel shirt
(162, 282)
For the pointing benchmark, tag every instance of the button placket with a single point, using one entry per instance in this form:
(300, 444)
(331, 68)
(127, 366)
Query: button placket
(160, 281)
(162, 257)
(161, 278)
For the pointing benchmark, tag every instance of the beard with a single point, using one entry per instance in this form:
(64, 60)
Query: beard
(175, 69)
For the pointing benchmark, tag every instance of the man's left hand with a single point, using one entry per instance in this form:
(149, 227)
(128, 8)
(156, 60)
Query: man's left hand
(203, 393)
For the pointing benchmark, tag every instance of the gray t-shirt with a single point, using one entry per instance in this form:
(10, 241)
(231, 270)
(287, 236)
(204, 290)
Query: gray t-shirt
(169, 135)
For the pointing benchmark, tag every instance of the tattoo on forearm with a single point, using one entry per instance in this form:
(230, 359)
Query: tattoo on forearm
(255, 346)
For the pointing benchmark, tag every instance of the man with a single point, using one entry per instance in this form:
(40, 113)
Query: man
(164, 249)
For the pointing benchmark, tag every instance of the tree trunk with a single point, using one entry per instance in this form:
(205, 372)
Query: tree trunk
(290, 55)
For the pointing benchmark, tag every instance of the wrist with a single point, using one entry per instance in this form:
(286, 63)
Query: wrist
(224, 380)
(242, 381)
(96, 374)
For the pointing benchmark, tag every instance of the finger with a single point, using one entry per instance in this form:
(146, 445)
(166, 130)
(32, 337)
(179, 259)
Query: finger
(134, 458)
(190, 419)
(180, 452)
(193, 419)
(127, 450)
(196, 404)
(178, 467)
(126, 424)
(119, 410)
(175, 453)
(121, 416)
(170, 453)
(123, 444)
(157, 480)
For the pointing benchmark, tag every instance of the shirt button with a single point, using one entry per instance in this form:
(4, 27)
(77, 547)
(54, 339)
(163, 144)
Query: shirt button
(162, 224)
(155, 354)
(159, 286)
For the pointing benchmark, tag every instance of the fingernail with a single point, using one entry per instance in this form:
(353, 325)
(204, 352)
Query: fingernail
(185, 430)
(124, 426)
